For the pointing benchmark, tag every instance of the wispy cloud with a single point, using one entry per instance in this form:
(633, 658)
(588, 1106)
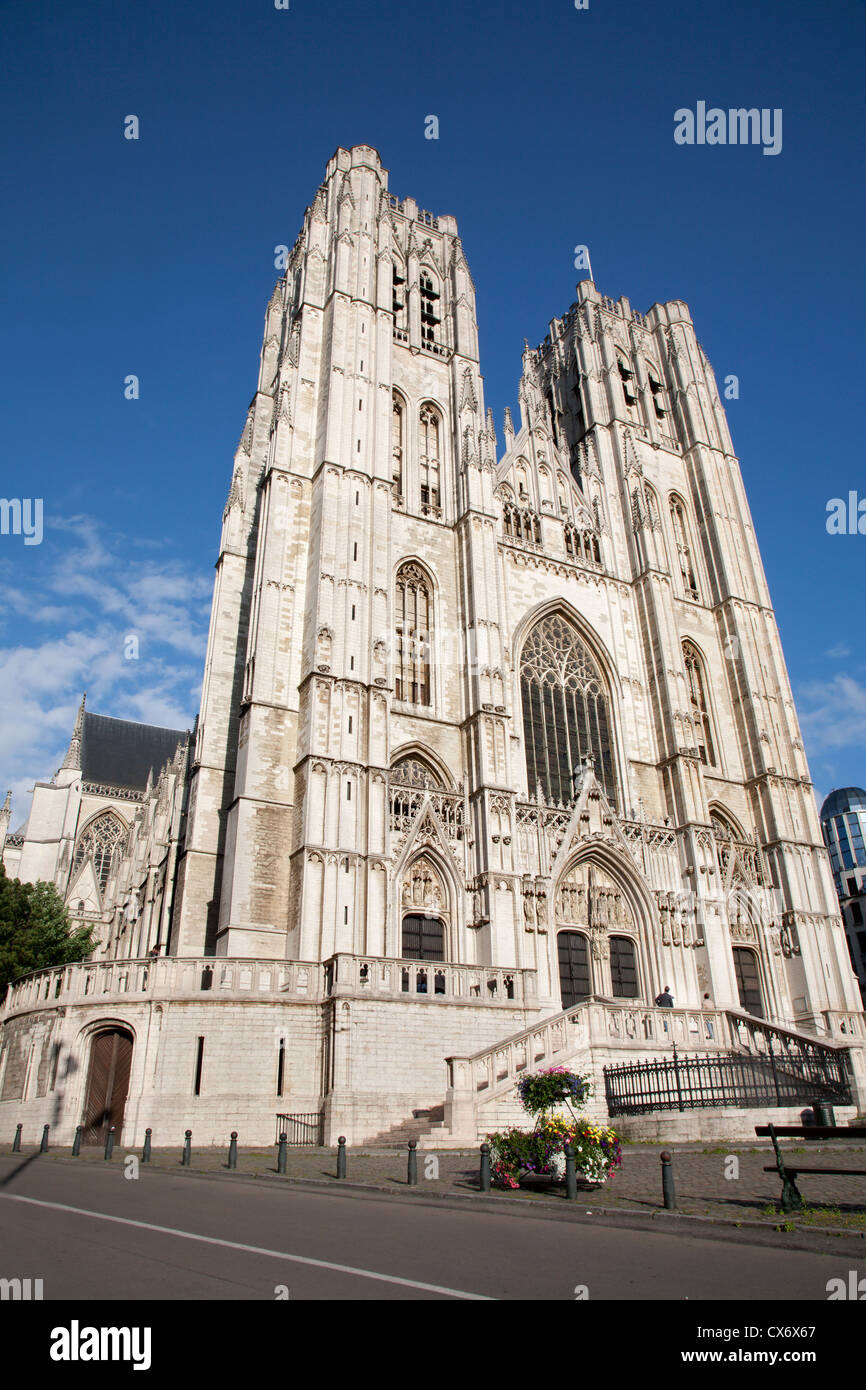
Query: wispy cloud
(67, 629)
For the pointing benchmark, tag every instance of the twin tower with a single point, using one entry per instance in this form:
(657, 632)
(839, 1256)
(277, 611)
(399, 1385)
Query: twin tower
(516, 704)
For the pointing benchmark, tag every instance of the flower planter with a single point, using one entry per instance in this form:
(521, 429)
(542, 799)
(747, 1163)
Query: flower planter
(534, 1160)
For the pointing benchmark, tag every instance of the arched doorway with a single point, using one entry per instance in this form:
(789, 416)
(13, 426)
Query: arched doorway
(597, 936)
(748, 981)
(575, 981)
(423, 938)
(107, 1084)
(623, 968)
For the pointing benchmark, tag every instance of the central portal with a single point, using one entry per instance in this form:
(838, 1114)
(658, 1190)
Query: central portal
(597, 938)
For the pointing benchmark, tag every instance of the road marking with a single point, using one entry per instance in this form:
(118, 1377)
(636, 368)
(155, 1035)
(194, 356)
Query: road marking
(251, 1249)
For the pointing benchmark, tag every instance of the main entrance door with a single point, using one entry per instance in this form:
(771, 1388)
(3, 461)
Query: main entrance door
(748, 981)
(107, 1085)
(574, 979)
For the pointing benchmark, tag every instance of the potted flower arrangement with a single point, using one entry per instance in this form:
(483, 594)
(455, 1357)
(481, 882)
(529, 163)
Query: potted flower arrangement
(536, 1157)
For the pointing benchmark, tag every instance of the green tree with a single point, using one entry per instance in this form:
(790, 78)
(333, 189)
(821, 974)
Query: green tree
(35, 932)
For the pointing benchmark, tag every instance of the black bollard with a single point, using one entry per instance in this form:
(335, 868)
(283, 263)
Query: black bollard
(109, 1143)
(484, 1182)
(412, 1175)
(145, 1153)
(668, 1191)
(187, 1148)
(43, 1147)
(570, 1174)
(233, 1149)
(16, 1142)
(341, 1156)
(282, 1153)
(76, 1143)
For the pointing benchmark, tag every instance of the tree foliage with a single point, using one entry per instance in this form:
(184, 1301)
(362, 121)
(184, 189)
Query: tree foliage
(35, 931)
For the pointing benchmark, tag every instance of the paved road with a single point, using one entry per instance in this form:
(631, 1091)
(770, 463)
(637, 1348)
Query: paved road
(252, 1236)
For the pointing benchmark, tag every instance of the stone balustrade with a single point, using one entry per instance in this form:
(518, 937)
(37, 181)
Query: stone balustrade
(385, 978)
(629, 1027)
(170, 977)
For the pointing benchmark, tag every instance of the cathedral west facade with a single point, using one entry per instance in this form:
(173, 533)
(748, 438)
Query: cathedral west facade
(496, 738)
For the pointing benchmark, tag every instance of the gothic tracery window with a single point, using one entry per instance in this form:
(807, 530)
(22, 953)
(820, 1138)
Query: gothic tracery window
(699, 707)
(414, 613)
(681, 537)
(429, 456)
(566, 711)
(98, 841)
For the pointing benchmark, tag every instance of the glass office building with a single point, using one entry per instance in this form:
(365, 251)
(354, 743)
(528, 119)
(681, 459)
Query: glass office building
(843, 821)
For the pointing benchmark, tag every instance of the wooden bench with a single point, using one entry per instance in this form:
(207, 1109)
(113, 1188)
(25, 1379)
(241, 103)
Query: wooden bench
(791, 1197)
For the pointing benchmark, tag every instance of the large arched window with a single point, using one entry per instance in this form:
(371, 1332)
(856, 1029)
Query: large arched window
(684, 550)
(414, 621)
(98, 841)
(566, 714)
(700, 709)
(429, 443)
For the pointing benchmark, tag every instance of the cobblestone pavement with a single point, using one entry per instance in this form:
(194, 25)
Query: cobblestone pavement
(720, 1182)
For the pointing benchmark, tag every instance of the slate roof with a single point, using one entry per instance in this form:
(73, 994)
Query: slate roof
(119, 753)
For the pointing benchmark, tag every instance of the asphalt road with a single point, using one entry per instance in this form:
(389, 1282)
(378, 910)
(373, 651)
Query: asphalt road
(227, 1238)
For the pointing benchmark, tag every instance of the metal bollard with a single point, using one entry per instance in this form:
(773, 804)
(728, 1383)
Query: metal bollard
(145, 1153)
(76, 1143)
(187, 1148)
(16, 1142)
(43, 1147)
(484, 1181)
(282, 1153)
(668, 1190)
(109, 1143)
(233, 1149)
(570, 1174)
(341, 1156)
(412, 1175)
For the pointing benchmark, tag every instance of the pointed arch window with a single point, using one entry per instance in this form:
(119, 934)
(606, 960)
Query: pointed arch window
(414, 618)
(398, 294)
(684, 550)
(566, 711)
(430, 318)
(429, 456)
(98, 841)
(398, 426)
(699, 707)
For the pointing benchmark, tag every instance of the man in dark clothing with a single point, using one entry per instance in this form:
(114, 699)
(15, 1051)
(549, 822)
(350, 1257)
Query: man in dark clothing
(665, 1000)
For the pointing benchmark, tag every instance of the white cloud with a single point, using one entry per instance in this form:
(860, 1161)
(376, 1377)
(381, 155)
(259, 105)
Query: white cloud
(65, 632)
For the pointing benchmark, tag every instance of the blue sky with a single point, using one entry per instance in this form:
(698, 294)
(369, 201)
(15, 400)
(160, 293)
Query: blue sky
(155, 257)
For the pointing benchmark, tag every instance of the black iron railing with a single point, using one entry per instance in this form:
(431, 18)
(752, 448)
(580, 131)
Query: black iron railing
(726, 1078)
(301, 1131)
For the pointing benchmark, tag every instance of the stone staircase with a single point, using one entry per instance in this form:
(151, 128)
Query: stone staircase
(481, 1095)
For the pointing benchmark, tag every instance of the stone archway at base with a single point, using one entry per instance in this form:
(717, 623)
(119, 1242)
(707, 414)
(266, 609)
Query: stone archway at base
(107, 1084)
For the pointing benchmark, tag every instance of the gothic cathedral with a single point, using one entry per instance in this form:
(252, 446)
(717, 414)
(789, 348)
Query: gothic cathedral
(496, 741)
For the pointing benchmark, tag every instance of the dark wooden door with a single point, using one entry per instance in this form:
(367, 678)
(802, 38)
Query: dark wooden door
(748, 981)
(423, 938)
(574, 977)
(107, 1085)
